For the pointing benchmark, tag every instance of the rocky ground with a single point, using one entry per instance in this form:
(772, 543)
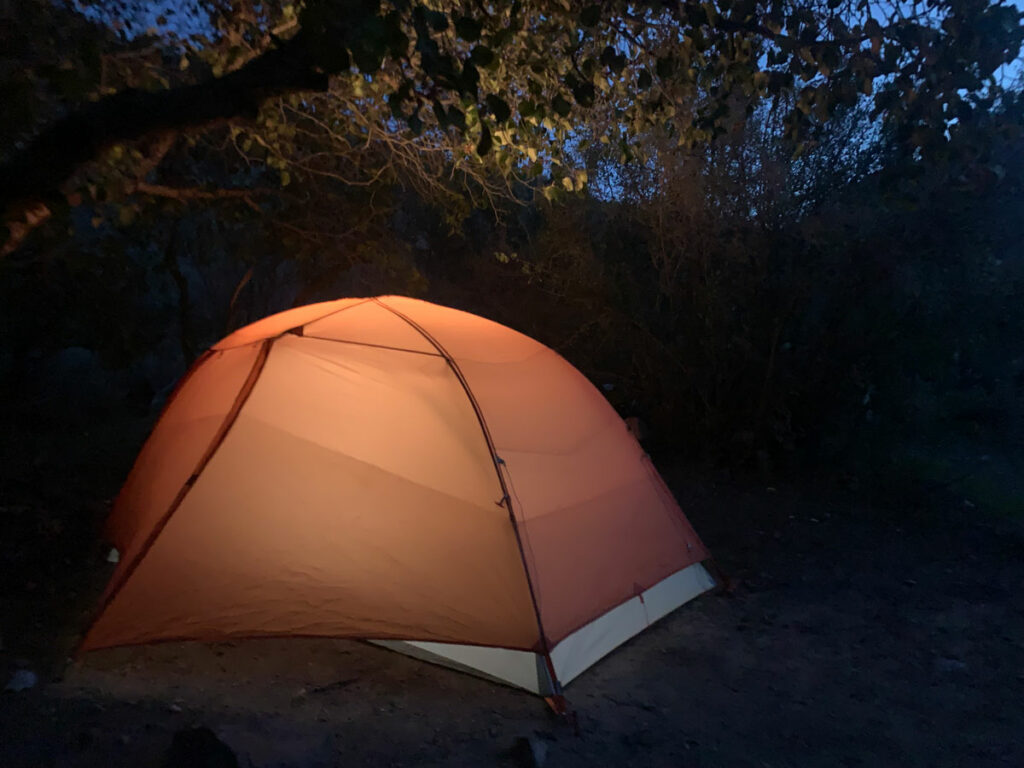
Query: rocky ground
(849, 636)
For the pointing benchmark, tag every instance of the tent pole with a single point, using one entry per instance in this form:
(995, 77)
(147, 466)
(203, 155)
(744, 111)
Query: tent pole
(506, 499)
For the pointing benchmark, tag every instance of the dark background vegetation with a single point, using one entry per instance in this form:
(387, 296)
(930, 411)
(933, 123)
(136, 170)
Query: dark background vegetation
(861, 326)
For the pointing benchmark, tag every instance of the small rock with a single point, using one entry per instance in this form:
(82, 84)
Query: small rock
(113, 556)
(87, 739)
(199, 748)
(640, 739)
(949, 665)
(174, 708)
(529, 752)
(21, 680)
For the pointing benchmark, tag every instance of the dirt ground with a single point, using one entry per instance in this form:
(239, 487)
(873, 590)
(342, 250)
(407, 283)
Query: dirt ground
(850, 636)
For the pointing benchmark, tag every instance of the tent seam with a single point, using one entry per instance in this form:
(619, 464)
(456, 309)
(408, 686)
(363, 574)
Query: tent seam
(199, 361)
(217, 348)
(324, 317)
(372, 346)
(362, 462)
(216, 441)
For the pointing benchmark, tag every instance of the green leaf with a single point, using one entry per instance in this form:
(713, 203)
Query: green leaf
(482, 56)
(499, 108)
(438, 20)
(561, 106)
(396, 39)
(395, 103)
(608, 56)
(584, 94)
(457, 118)
(469, 80)
(369, 55)
(486, 143)
(591, 15)
(514, 17)
(468, 29)
(501, 38)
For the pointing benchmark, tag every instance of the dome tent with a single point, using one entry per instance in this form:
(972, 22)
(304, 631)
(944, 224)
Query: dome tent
(402, 472)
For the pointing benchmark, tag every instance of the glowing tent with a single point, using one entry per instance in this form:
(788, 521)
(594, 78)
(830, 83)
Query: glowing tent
(398, 471)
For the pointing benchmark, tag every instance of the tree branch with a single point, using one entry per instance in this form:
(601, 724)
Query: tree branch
(192, 193)
(35, 175)
(32, 216)
(36, 215)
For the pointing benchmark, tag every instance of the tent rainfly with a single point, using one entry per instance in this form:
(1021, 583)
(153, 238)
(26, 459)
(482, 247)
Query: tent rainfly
(401, 472)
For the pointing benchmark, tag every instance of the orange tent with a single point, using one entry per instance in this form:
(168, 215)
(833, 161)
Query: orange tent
(398, 471)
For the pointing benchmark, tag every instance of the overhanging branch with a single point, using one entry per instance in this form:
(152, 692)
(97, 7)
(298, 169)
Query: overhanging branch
(36, 174)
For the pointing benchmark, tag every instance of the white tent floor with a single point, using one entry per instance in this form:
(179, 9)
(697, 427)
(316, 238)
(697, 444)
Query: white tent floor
(578, 651)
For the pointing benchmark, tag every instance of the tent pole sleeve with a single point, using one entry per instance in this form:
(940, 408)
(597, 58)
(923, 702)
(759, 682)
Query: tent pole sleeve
(506, 496)
(218, 438)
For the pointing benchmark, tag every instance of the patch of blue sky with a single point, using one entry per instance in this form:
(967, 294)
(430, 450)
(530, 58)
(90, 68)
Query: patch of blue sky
(174, 20)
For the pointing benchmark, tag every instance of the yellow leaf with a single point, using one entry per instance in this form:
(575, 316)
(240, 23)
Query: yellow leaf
(567, 183)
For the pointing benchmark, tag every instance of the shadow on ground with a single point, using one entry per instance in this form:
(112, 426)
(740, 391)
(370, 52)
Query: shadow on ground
(845, 639)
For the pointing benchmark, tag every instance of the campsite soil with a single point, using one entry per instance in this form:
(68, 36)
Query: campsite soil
(849, 636)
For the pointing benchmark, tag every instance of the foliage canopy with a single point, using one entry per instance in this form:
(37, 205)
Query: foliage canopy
(510, 82)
